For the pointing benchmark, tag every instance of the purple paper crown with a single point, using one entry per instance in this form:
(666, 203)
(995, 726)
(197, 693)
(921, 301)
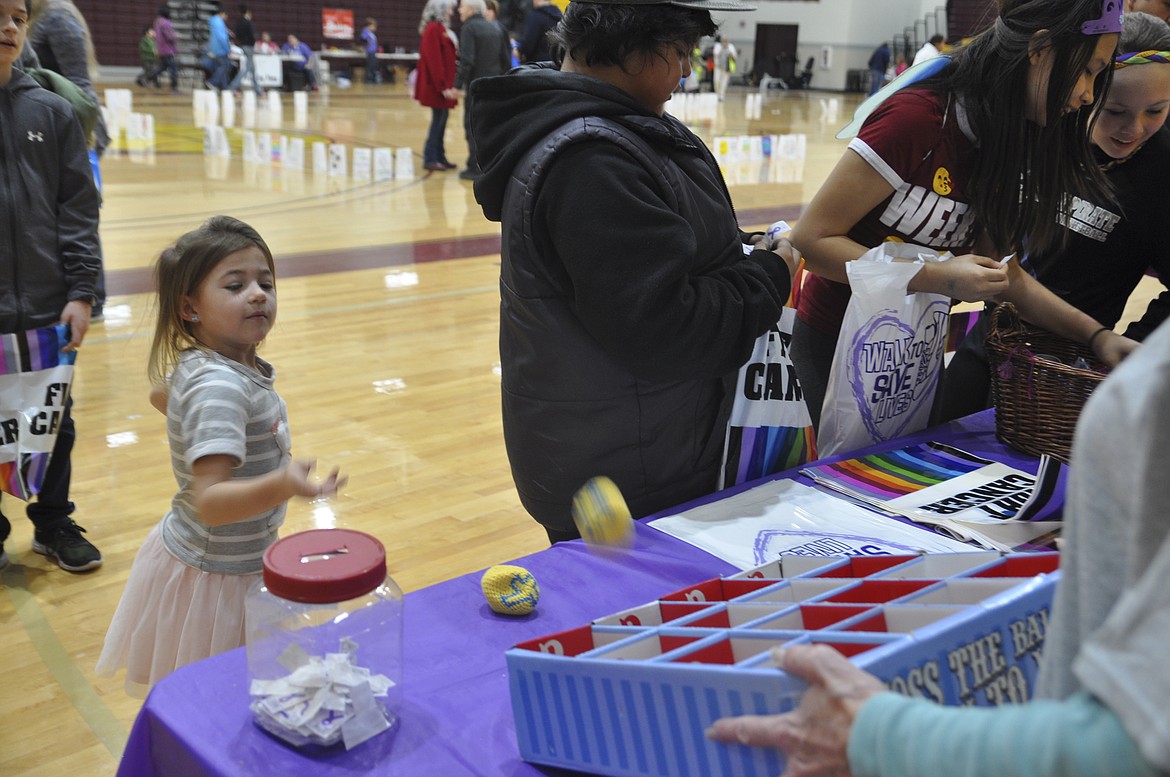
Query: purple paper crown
(1110, 20)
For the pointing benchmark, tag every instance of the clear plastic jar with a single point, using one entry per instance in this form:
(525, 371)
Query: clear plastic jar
(324, 635)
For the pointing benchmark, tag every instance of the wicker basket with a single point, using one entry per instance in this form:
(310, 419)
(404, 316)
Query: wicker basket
(1037, 400)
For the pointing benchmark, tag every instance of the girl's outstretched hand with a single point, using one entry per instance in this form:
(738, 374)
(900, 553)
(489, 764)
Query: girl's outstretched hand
(298, 475)
(814, 736)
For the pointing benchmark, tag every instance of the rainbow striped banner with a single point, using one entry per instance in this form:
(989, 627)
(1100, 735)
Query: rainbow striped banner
(35, 376)
(756, 451)
(891, 474)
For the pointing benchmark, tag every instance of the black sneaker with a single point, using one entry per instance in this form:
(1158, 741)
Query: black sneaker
(3, 556)
(73, 552)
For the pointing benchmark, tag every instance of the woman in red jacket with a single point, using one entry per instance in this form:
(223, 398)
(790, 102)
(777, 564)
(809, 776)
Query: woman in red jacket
(436, 73)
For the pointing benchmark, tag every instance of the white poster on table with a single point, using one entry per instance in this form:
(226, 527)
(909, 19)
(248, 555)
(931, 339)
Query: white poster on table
(783, 517)
(269, 73)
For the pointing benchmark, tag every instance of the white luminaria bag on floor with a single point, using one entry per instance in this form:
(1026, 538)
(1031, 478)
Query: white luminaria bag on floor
(889, 354)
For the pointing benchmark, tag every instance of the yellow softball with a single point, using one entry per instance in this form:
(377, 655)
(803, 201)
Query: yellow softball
(510, 590)
(601, 514)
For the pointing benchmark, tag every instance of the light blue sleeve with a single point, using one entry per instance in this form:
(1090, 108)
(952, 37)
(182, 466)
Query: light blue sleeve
(895, 736)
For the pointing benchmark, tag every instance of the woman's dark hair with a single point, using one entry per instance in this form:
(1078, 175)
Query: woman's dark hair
(164, 12)
(598, 34)
(1026, 173)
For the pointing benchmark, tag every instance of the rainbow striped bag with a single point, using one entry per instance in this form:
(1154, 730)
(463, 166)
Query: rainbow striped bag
(35, 376)
(770, 429)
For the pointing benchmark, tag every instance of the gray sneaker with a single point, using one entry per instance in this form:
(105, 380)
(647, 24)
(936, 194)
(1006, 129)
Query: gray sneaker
(73, 552)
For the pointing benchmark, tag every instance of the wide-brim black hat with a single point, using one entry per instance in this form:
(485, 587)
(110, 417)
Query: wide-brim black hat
(700, 5)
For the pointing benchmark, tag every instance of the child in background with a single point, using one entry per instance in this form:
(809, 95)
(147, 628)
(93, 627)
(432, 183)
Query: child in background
(148, 54)
(369, 39)
(229, 441)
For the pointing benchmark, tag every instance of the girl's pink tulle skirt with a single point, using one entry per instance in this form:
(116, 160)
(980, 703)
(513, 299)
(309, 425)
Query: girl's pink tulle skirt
(171, 615)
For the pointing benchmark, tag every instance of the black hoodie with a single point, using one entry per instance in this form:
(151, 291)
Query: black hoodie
(627, 305)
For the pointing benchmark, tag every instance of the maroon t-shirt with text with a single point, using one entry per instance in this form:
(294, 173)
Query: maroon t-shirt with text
(917, 143)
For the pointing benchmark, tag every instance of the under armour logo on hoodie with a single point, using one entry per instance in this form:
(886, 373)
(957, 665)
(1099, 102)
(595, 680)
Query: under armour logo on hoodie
(38, 137)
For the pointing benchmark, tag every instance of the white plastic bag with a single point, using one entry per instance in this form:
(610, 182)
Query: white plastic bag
(35, 377)
(770, 429)
(889, 354)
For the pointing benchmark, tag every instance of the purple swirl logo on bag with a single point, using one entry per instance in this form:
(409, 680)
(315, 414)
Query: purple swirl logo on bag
(894, 368)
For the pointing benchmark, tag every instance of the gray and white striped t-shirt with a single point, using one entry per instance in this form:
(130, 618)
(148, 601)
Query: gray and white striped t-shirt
(219, 406)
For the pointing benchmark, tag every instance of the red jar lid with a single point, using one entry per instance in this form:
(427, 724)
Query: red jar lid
(324, 565)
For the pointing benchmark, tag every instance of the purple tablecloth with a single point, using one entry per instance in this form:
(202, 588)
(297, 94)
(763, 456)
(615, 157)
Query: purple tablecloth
(457, 715)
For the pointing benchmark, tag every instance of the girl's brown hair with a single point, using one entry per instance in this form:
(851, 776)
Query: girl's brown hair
(178, 273)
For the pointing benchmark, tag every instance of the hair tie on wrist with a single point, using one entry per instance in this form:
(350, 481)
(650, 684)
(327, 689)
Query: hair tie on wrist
(1093, 336)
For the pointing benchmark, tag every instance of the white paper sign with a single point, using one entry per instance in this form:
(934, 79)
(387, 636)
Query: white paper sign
(250, 153)
(320, 158)
(295, 156)
(337, 160)
(383, 164)
(361, 164)
(227, 108)
(404, 164)
(264, 148)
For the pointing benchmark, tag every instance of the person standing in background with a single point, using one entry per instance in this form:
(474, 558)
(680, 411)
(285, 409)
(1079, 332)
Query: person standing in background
(166, 40)
(724, 55)
(513, 14)
(483, 51)
(148, 55)
(540, 20)
(879, 60)
(931, 49)
(436, 75)
(246, 40)
(370, 46)
(219, 47)
(60, 40)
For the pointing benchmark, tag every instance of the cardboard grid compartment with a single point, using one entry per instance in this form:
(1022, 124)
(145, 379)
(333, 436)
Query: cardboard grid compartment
(633, 692)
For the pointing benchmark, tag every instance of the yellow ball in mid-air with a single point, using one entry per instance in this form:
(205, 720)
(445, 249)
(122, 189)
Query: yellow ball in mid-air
(601, 514)
(510, 590)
